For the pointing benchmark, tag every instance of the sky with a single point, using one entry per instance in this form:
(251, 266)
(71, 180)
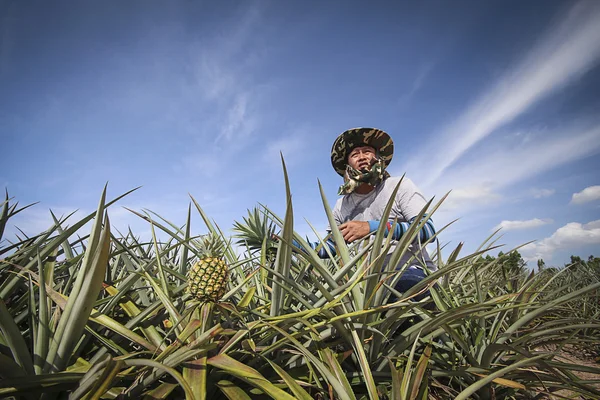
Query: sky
(496, 102)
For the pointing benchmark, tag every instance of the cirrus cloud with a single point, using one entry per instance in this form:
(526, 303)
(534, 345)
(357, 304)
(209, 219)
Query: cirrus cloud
(567, 51)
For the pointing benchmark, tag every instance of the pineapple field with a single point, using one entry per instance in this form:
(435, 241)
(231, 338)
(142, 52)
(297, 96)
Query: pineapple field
(252, 315)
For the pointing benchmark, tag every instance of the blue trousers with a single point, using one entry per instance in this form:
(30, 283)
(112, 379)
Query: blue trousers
(410, 278)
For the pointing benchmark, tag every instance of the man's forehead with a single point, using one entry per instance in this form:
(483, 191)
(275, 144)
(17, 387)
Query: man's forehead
(357, 148)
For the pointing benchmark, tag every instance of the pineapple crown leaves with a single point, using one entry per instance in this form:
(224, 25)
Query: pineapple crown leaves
(211, 245)
(257, 227)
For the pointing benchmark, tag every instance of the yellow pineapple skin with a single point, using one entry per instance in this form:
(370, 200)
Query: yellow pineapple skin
(207, 279)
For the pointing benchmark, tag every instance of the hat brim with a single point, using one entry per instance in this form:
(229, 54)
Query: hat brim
(356, 137)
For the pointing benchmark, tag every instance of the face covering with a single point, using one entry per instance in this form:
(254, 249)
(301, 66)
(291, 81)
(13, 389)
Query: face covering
(353, 178)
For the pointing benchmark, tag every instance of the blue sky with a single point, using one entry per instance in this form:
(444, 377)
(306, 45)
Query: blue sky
(497, 101)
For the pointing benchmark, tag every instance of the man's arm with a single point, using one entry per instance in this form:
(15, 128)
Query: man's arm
(400, 228)
(322, 252)
(354, 230)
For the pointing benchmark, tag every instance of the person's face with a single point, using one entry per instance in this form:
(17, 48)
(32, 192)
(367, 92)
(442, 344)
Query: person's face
(361, 158)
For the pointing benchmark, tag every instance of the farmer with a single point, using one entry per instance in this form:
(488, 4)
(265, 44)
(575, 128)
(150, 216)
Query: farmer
(361, 156)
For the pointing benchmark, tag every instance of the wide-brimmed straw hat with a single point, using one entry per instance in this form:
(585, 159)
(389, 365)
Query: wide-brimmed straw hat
(357, 137)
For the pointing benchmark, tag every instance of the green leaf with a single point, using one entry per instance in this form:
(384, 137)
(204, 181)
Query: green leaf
(334, 366)
(16, 386)
(245, 301)
(284, 252)
(342, 248)
(322, 368)
(132, 310)
(105, 380)
(184, 252)
(295, 388)
(418, 381)
(396, 381)
(189, 394)
(364, 365)
(247, 374)
(9, 368)
(232, 391)
(43, 334)
(161, 392)
(54, 243)
(464, 395)
(14, 340)
(166, 301)
(87, 287)
(408, 369)
(164, 285)
(542, 309)
(194, 372)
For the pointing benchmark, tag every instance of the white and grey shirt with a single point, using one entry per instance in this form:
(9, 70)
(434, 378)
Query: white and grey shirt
(370, 207)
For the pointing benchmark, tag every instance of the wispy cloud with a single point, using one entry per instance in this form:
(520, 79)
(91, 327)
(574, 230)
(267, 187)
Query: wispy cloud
(528, 224)
(224, 100)
(417, 83)
(541, 193)
(505, 166)
(568, 50)
(223, 73)
(470, 196)
(238, 122)
(569, 237)
(591, 193)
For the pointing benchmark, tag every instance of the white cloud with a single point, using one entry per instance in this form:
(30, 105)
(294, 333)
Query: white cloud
(481, 180)
(565, 53)
(588, 194)
(540, 193)
(569, 237)
(528, 224)
(505, 166)
(472, 196)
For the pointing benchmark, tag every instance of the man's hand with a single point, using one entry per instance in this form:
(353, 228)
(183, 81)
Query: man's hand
(353, 230)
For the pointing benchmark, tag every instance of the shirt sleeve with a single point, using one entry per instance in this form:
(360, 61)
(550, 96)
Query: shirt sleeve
(409, 199)
(337, 213)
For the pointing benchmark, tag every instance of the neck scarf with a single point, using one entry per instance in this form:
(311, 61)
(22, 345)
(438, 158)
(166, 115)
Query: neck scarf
(353, 178)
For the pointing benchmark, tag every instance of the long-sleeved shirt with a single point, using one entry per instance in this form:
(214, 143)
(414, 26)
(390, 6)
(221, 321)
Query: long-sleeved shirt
(370, 207)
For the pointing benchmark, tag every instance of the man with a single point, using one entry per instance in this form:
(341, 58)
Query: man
(361, 156)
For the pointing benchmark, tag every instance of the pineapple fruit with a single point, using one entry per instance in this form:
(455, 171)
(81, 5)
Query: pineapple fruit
(207, 278)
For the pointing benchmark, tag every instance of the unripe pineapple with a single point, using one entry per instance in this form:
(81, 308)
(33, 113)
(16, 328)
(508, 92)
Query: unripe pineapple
(207, 279)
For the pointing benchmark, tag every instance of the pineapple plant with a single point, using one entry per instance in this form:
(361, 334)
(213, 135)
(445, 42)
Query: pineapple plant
(293, 326)
(207, 278)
